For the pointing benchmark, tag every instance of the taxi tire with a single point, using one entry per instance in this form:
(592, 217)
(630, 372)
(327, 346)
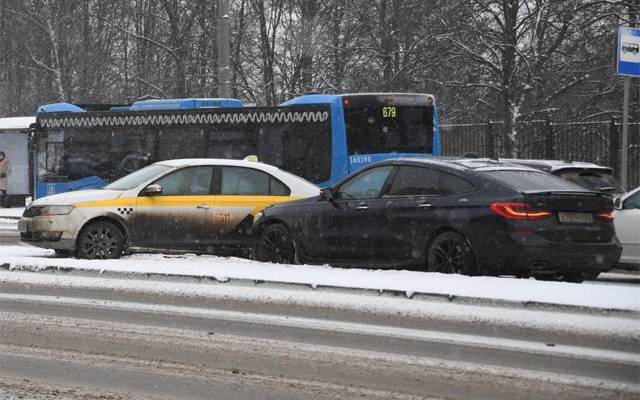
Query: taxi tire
(100, 240)
(275, 245)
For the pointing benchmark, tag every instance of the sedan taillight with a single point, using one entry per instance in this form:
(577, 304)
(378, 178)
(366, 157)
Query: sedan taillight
(605, 216)
(520, 211)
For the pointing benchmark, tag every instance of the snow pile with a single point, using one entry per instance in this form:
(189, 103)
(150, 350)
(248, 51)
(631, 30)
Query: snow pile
(11, 213)
(600, 296)
(8, 224)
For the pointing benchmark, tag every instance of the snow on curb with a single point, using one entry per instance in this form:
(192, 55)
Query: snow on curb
(11, 213)
(592, 297)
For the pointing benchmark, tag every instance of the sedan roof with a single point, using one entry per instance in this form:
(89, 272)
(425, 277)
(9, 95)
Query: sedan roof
(470, 164)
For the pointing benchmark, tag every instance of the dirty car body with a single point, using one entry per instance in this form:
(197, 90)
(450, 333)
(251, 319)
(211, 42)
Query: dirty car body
(204, 205)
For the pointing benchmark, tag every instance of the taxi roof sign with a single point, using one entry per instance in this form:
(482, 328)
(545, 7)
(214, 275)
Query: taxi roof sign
(628, 52)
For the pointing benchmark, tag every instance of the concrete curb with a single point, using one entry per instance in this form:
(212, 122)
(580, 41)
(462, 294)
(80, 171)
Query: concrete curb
(417, 296)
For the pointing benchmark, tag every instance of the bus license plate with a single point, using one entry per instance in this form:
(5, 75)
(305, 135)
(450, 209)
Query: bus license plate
(575, 218)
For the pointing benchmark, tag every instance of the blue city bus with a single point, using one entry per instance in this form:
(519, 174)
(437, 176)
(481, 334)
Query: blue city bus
(320, 137)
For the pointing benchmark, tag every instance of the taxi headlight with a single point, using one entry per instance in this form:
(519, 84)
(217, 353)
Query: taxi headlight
(43, 211)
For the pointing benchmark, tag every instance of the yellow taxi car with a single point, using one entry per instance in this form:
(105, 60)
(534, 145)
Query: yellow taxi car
(202, 205)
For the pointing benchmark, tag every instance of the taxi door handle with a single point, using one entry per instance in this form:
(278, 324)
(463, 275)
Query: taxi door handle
(204, 206)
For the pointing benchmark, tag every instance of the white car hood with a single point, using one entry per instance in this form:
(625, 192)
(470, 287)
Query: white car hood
(71, 198)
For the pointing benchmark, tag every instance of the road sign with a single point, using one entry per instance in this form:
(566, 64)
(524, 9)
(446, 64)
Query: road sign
(628, 51)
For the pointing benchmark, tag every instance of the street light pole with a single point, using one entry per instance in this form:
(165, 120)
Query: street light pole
(224, 53)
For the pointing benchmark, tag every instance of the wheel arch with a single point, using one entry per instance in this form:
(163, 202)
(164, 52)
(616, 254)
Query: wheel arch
(111, 219)
(444, 229)
(440, 230)
(258, 229)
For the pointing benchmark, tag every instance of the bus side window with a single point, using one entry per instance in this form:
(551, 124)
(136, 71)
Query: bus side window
(271, 145)
(312, 162)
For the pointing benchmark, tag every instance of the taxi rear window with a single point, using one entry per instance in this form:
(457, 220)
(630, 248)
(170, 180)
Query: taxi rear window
(250, 182)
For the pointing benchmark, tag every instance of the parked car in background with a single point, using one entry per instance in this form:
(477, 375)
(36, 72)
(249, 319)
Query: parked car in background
(591, 176)
(205, 205)
(453, 216)
(627, 222)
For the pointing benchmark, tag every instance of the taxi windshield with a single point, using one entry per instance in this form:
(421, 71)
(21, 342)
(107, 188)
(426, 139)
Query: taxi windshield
(138, 177)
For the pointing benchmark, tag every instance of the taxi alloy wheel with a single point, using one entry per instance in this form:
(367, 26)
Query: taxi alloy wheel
(100, 240)
(276, 246)
(450, 253)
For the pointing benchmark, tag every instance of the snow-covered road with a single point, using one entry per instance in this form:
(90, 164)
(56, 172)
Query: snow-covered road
(521, 291)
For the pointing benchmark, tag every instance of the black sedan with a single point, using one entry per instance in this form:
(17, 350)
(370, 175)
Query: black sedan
(470, 216)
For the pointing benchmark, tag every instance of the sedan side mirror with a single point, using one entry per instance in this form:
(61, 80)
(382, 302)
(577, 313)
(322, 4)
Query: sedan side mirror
(152, 190)
(617, 203)
(326, 194)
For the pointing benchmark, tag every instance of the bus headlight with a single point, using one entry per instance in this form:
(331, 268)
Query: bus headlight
(43, 211)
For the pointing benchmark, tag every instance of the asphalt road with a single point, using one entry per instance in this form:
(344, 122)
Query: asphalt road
(105, 344)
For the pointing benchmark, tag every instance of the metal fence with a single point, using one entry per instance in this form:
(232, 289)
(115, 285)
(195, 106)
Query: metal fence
(597, 142)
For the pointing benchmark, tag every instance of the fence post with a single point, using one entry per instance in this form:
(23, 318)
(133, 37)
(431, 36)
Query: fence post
(548, 140)
(490, 147)
(614, 147)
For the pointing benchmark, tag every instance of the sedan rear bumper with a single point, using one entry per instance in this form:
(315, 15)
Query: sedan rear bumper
(536, 255)
(582, 258)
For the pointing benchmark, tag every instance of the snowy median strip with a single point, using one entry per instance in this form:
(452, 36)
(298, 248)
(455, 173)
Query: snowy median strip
(11, 213)
(410, 283)
(8, 223)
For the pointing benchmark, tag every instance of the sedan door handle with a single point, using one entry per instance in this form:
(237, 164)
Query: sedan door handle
(204, 206)
(424, 205)
(362, 207)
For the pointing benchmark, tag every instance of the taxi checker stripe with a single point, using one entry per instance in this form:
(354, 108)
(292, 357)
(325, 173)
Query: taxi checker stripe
(260, 202)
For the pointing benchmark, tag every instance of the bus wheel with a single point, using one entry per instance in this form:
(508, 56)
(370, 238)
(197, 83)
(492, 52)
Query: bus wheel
(100, 240)
(276, 245)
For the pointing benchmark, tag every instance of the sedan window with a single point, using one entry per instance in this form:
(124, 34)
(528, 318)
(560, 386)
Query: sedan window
(250, 182)
(190, 181)
(421, 181)
(414, 181)
(366, 185)
(450, 184)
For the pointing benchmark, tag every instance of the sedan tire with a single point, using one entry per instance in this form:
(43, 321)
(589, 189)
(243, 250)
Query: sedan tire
(276, 245)
(100, 240)
(450, 253)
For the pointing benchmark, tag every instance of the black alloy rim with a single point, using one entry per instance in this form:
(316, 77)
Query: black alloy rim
(448, 257)
(100, 243)
(277, 247)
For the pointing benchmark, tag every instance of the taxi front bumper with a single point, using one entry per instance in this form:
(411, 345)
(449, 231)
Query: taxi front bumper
(50, 232)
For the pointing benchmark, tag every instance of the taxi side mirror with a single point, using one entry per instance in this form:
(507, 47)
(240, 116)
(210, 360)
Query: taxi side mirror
(152, 190)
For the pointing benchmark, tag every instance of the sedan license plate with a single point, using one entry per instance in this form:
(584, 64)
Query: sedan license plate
(575, 218)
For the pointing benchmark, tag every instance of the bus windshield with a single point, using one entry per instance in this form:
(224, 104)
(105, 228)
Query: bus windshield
(383, 124)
